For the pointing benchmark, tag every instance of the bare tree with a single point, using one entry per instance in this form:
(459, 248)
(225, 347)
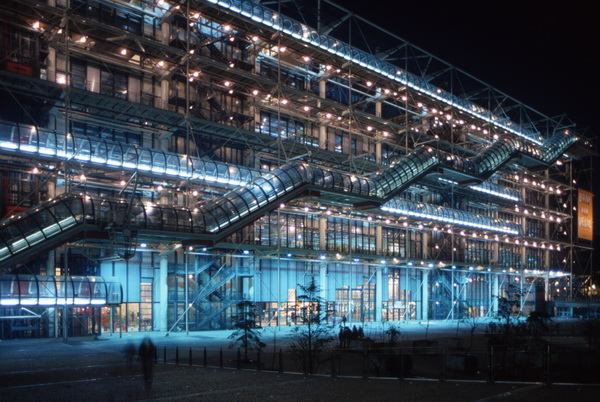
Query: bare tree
(310, 338)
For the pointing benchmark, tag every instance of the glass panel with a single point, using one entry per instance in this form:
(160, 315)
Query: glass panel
(258, 194)
(221, 215)
(82, 149)
(13, 238)
(245, 174)
(47, 143)
(130, 159)
(249, 198)
(318, 178)
(8, 136)
(47, 290)
(184, 220)
(144, 159)
(9, 290)
(153, 217)
(64, 217)
(61, 288)
(169, 218)
(241, 208)
(138, 216)
(211, 224)
(114, 293)
(266, 187)
(115, 155)
(287, 181)
(97, 290)
(99, 151)
(159, 162)
(82, 294)
(295, 175)
(30, 229)
(185, 166)
(173, 164)
(28, 139)
(28, 290)
(222, 173)
(210, 170)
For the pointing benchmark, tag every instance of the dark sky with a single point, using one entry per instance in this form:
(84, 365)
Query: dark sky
(541, 53)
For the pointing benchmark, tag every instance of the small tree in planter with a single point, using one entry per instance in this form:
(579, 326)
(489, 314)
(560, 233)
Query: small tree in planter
(310, 338)
(246, 327)
(394, 333)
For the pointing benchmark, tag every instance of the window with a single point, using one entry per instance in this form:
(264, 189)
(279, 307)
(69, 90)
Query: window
(339, 143)
(290, 78)
(350, 236)
(393, 242)
(285, 127)
(534, 258)
(21, 47)
(108, 15)
(535, 228)
(113, 84)
(78, 74)
(509, 256)
(125, 137)
(478, 252)
(295, 231)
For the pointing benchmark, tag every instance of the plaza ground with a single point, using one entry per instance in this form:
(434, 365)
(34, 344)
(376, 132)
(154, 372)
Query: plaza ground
(95, 369)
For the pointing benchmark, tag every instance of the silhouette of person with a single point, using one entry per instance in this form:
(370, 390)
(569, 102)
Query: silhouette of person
(147, 357)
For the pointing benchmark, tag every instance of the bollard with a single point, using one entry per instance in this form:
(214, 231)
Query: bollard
(190, 357)
(443, 373)
(205, 360)
(491, 373)
(364, 364)
(333, 364)
(177, 355)
(239, 358)
(280, 360)
(401, 365)
(547, 362)
(221, 358)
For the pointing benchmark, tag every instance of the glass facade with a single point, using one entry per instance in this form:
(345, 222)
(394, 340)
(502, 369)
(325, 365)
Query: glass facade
(163, 175)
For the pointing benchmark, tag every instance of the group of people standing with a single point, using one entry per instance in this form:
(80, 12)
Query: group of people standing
(346, 335)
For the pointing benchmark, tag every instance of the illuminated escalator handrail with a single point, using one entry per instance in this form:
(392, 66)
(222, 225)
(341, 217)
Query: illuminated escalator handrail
(46, 290)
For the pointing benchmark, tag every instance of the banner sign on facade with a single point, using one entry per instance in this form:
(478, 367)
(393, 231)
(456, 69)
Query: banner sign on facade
(585, 216)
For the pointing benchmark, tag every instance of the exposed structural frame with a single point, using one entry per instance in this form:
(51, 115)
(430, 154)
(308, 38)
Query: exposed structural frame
(402, 62)
(237, 153)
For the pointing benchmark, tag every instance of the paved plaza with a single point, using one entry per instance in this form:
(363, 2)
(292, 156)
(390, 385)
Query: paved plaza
(89, 369)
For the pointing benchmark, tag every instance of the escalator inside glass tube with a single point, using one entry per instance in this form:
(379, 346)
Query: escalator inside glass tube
(48, 290)
(57, 219)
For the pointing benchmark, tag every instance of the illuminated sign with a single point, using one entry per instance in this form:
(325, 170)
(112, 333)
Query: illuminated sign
(585, 217)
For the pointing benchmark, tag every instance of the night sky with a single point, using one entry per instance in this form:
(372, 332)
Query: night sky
(542, 53)
(538, 52)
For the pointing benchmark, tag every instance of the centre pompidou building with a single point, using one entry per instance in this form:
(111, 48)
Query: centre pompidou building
(163, 160)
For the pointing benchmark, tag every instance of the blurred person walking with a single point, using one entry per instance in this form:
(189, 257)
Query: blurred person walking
(147, 353)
